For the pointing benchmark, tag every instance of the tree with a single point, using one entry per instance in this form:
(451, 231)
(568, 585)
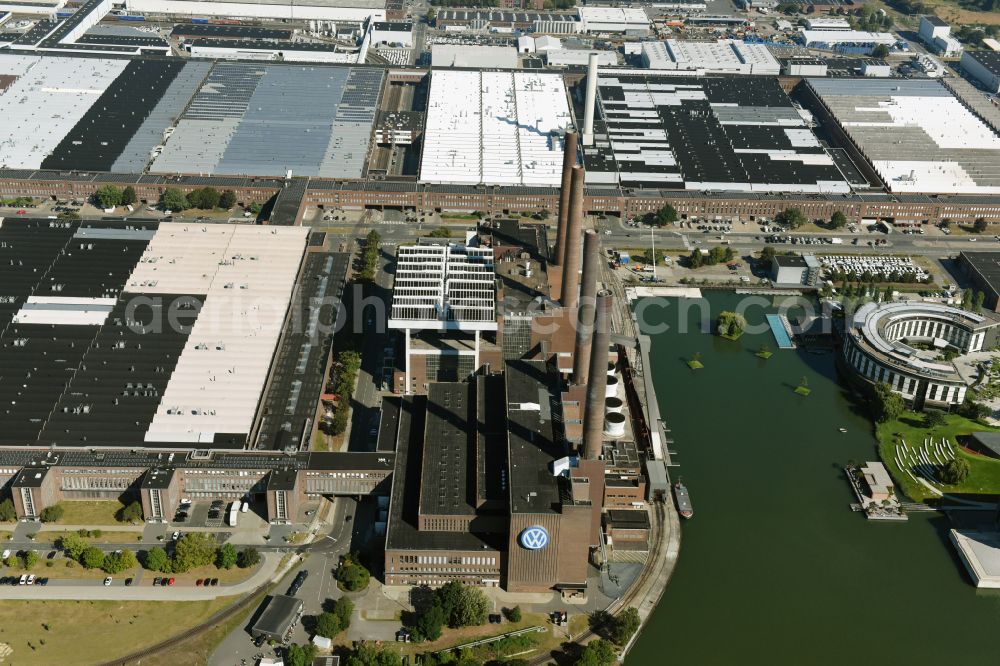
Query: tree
(227, 199)
(977, 304)
(7, 512)
(430, 622)
(838, 220)
(73, 545)
(955, 471)
(205, 198)
(51, 514)
(115, 563)
(767, 255)
(886, 405)
(108, 196)
(440, 232)
(226, 558)
(156, 559)
(173, 199)
(472, 609)
(792, 217)
(327, 625)
(29, 560)
(967, 299)
(132, 513)
(128, 196)
(933, 418)
(195, 549)
(300, 655)
(248, 557)
(513, 614)
(92, 558)
(664, 216)
(352, 576)
(880, 51)
(598, 652)
(730, 324)
(697, 259)
(975, 411)
(343, 609)
(979, 226)
(368, 654)
(625, 625)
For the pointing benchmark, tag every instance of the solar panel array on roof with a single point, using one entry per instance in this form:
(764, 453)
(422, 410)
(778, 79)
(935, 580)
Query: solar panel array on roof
(262, 120)
(136, 154)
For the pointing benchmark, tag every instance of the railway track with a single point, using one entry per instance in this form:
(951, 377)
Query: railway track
(631, 597)
(217, 619)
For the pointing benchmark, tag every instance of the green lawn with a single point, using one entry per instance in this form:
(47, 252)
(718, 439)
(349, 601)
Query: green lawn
(88, 512)
(86, 632)
(984, 473)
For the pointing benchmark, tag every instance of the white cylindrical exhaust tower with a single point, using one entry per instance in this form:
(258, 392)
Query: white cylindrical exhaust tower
(613, 405)
(614, 425)
(591, 101)
(611, 390)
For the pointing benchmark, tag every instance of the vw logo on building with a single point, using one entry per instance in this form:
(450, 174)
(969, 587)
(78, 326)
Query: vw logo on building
(535, 537)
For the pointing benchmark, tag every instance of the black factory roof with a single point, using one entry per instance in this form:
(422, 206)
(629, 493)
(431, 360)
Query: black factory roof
(100, 136)
(935, 20)
(790, 260)
(409, 477)
(987, 265)
(719, 131)
(158, 478)
(265, 44)
(449, 427)
(229, 31)
(123, 40)
(388, 26)
(990, 60)
(534, 439)
(30, 477)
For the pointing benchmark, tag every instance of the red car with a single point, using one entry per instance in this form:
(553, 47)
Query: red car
(170, 582)
(199, 582)
(22, 212)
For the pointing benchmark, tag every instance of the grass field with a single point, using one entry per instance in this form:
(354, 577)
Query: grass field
(107, 536)
(984, 473)
(108, 628)
(88, 512)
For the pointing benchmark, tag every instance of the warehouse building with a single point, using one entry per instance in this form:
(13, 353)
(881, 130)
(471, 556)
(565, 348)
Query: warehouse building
(347, 12)
(400, 33)
(234, 49)
(709, 133)
(482, 19)
(983, 269)
(278, 617)
(846, 41)
(984, 67)
(238, 32)
(496, 128)
(725, 56)
(631, 20)
(579, 58)
(915, 133)
(477, 56)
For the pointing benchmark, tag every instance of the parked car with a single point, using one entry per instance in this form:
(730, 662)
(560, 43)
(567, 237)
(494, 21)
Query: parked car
(199, 582)
(31, 579)
(23, 580)
(170, 582)
(128, 581)
(175, 536)
(156, 581)
(107, 581)
(215, 581)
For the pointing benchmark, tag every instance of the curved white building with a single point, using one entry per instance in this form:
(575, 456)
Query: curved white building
(901, 344)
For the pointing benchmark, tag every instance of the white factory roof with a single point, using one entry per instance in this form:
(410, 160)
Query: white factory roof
(847, 37)
(464, 55)
(246, 274)
(724, 55)
(918, 136)
(300, 10)
(49, 97)
(65, 310)
(498, 128)
(828, 24)
(594, 18)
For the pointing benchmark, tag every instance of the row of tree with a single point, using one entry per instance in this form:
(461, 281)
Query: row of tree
(337, 619)
(199, 549)
(369, 256)
(717, 255)
(205, 198)
(349, 363)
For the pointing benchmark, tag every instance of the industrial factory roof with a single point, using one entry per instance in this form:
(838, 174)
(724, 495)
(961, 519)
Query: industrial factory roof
(724, 55)
(450, 428)
(229, 31)
(918, 136)
(48, 98)
(499, 16)
(246, 275)
(706, 133)
(534, 441)
(266, 120)
(498, 128)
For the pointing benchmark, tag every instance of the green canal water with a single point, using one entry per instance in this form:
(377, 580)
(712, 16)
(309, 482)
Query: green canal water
(774, 568)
